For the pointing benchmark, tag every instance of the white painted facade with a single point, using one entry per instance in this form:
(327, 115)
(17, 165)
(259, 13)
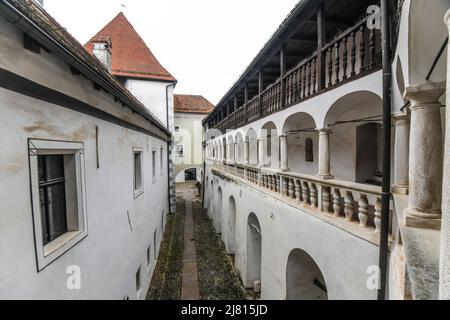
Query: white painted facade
(271, 180)
(119, 228)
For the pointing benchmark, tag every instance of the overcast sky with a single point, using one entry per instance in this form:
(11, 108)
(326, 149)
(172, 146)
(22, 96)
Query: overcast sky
(205, 44)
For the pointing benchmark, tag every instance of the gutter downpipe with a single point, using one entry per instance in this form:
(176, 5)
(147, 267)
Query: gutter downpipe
(387, 111)
(204, 173)
(169, 143)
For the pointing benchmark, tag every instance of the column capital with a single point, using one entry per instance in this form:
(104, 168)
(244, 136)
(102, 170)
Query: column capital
(425, 95)
(325, 130)
(447, 19)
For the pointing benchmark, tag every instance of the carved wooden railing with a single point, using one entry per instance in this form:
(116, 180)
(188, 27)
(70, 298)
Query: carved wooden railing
(353, 202)
(253, 109)
(352, 54)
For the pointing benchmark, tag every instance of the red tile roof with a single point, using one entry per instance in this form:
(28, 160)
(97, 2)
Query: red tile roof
(130, 55)
(192, 104)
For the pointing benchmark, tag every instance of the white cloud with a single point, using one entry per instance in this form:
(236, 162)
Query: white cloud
(205, 44)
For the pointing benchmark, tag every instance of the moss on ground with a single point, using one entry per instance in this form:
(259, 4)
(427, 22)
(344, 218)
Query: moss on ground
(217, 277)
(166, 281)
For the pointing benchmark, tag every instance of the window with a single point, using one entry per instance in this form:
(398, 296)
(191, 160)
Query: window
(138, 282)
(154, 165)
(179, 150)
(177, 129)
(309, 150)
(52, 196)
(138, 178)
(58, 194)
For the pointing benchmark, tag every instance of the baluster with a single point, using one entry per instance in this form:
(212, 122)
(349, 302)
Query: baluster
(330, 66)
(298, 94)
(305, 193)
(371, 48)
(377, 219)
(285, 187)
(313, 196)
(291, 189)
(298, 191)
(353, 54)
(363, 211)
(362, 48)
(326, 199)
(349, 206)
(278, 184)
(336, 62)
(303, 89)
(345, 58)
(265, 182)
(314, 75)
(308, 79)
(337, 207)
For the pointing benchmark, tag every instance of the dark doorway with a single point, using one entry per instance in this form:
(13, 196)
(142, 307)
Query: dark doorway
(190, 175)
(368, 151)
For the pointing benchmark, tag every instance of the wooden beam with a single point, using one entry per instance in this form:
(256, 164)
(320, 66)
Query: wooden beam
(282, 74)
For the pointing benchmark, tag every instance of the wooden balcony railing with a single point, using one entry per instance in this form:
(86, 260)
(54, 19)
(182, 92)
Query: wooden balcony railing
(354, 53)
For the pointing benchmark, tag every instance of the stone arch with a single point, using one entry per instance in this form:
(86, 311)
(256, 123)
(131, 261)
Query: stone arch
(231, 149)
(254, 250)
(231, 244)
(240, 148)
(298, 128)
(348, 139)
(271, 144)
(219, 209)
(252, 138)
(304, 279)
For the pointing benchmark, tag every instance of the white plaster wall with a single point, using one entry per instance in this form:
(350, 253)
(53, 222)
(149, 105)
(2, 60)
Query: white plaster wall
(111, 253)
(342, 257)
(152, 94)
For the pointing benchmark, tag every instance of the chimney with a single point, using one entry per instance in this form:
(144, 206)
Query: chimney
(102, 50)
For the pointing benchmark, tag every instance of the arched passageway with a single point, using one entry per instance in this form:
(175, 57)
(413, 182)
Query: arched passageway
(254, 251)
(304, 280)
(231, 226)
(271, 152)
(218, 213)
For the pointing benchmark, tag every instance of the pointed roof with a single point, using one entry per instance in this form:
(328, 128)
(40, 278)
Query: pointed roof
(130, 55)
(192, 104)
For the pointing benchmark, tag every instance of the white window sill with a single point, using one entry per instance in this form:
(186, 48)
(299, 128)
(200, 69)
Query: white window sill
(60, 242)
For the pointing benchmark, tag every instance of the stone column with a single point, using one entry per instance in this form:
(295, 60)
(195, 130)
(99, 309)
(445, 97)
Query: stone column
(284, 154)
(236, 150)
(324, 154)
(261, 153)
(444, 278)
(401, 158)
(426, 158)
(246, 152)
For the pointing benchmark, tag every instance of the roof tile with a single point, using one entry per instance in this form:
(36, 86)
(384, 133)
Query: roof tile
(192, 104)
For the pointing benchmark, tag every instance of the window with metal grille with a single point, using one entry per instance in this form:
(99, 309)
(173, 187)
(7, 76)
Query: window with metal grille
(52, 196)
(309, 150)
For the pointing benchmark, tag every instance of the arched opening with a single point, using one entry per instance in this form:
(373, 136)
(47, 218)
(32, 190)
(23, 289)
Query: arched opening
(369, 144)
(218, 213)
(269, 135)
(231, 226)
(254, 251)
(301, 128)
(252, 139)
(304, 280)
(240, 148)
(231, 149)
(355, 136)
(224, 146)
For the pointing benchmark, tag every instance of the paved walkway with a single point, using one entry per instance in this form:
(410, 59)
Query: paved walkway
(190, 287)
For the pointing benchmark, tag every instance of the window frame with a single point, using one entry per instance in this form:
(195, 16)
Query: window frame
(178, 156)
(138, 191)
(177, 128)
(309, 150)
(76, 212)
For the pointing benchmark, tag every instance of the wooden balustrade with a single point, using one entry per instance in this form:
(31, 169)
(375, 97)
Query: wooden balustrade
(352, 54)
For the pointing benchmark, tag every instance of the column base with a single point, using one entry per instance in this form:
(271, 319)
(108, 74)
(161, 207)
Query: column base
(421, 220)
(400, 189)
(284, 170)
